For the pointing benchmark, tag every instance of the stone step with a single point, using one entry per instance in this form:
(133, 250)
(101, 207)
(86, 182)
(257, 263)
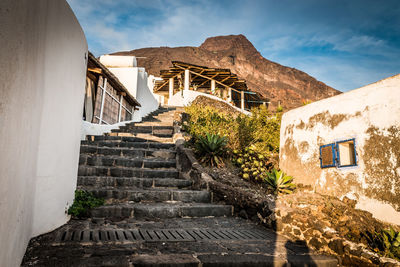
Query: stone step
(147, 136)
(101, 160)
(162, 210)
(118, 143)
(106, 181)
(142, 136)
(125, 137)
(127, 172)
(128, 152)
(115, 195)
(147, 129)
(158, 119)
(164, 122)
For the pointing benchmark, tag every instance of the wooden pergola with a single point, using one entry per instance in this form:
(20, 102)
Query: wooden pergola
(219, 82)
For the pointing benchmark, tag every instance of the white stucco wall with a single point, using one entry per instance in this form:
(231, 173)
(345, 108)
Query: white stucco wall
(136, 82)
(99, 129)
(186, 97)
(41, 98)
(151, 80)
(371, 115)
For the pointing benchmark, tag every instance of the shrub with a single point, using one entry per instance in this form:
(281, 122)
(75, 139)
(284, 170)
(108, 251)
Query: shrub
(260, 129)
(206, 119)
(279, 182)
(84, 201)
(211, 148)
(254, 138)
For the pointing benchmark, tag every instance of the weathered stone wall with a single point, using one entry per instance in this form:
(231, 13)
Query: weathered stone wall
(371, 115)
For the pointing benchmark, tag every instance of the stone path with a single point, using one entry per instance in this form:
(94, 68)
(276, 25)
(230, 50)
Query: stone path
(152, 217)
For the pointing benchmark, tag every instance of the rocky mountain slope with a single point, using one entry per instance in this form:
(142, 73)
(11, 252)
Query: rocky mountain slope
(270, 79)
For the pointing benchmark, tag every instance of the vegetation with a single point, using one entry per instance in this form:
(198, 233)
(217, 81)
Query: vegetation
(211, 149)
(279, 182)
(249, 141)
(261, 129)
(386, 243)
(84, 201)
(254, 165)
(279, 108)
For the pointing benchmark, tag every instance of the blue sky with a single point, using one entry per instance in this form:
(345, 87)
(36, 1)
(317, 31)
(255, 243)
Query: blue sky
(343, 43)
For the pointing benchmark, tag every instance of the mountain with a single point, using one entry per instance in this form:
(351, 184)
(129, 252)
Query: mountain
(273, 81)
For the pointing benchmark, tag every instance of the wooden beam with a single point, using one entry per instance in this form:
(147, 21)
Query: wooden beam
(191, 80)
(96, 70)
(223, 80)
(210, 79)
(167, 81)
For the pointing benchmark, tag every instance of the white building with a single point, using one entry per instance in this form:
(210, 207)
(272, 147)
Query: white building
(135, 80)
(349, 145)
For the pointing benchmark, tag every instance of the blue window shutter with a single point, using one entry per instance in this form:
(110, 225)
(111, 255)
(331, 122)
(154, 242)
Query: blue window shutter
(327, 155)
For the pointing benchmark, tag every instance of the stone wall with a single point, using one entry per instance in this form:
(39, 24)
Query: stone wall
(370, 115)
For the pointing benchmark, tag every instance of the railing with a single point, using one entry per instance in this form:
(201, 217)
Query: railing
(110, 109)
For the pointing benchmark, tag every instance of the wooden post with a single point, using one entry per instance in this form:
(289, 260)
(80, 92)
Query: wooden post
(120, 108)
(187, 80)
(213, 86)
(229, 94)
(224, 93)
(104, 87)
(171, 87)
(242, 99)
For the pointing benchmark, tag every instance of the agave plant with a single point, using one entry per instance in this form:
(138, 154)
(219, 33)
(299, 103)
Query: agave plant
(211, 149)
(387, 242)
(279, 182)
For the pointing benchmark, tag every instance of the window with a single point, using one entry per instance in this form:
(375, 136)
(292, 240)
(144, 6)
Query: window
(339, 154)
(346, 153)
(327, 155)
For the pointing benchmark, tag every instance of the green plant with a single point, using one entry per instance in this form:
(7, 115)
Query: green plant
(386, 243)
(84, 201)
(279, 182)
(253, 164)
(206, 119)
(211, 148)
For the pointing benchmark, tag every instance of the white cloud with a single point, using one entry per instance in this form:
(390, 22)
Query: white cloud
(336, 51)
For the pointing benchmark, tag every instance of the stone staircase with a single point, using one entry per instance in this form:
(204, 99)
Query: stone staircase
(152, 217)
(138, 176)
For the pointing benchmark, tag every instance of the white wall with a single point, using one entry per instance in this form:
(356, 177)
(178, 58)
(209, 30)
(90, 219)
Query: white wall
(135, 81)
(186, 97)
(144, 96)
(371, 115)
(41, 98)
(151, 80)
(99, 129)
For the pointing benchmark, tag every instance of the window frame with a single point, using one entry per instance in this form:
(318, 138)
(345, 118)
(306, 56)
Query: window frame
(338, 153)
